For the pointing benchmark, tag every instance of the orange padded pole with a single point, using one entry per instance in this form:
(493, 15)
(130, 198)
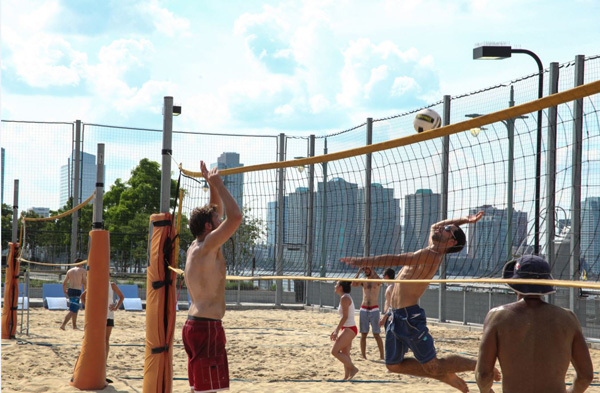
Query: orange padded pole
(90, 369)
(11, 293)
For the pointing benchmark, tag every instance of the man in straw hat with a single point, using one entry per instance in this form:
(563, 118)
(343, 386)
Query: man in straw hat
(534, 341)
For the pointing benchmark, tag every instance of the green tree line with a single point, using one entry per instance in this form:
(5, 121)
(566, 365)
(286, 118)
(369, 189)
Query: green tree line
(127, 207)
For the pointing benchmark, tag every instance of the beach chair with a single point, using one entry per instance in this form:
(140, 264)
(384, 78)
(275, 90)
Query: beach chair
(23, 301)
(132, 301)
(54, 297)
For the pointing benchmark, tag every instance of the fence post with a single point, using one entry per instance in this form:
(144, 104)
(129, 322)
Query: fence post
(510, 129)
(367, 201)
(465, 305)
(444, 205)
(165, 176)
(310, 221)
(280, 221)
(76, 164)
(15, 217)
(551, 168)
(97, 220)
(576, 183)
(323, 272)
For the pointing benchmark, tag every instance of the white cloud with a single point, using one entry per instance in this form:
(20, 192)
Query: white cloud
(165, 21)
(381, 75)
(284, 110)
(318, 103)
(402, 84)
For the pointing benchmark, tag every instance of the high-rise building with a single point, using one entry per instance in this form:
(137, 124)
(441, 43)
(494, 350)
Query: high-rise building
(590, 235)
(487, 240)
(41, 211)
(87, 174)
(421, 211)
(342, 235)
(235, 182)
(384, 230)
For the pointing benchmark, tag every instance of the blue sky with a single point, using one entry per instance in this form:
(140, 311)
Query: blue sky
(279, 66)
(256, 67)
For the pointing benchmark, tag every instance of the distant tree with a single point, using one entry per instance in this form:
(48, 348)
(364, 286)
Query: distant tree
(7, 218)
(128, 206)
(239, 250)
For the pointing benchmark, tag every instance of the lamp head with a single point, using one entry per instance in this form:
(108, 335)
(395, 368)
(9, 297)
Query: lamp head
(492, 52)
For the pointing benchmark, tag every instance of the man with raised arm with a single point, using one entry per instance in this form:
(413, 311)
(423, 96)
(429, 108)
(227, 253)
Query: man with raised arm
(205, 270)
(369, 310)
(408, 326)
(534, 341)
(75, 280)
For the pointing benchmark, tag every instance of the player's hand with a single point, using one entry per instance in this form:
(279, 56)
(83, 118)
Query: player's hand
(112, 307)
(212, 176)
(473, 218)
(333, 336)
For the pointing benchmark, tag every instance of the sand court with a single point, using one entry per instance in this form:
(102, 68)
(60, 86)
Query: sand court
(269, 351)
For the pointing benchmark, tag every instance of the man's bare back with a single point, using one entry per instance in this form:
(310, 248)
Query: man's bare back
(534, 343)
(76, 278)
(205, 272)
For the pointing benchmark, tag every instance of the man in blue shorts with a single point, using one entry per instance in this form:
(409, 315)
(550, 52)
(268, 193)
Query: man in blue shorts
(75, 279)
(407, 328)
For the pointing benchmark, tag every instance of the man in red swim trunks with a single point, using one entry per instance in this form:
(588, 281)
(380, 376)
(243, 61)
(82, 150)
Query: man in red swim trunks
(203, 334)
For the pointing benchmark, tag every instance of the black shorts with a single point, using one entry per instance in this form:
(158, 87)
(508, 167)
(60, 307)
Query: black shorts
(110, 322)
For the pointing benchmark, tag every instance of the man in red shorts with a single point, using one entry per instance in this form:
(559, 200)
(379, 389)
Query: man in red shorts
(203, 334)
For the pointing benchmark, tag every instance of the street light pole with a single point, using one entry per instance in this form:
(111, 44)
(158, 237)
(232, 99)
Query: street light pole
(493, 52)
(510, 128)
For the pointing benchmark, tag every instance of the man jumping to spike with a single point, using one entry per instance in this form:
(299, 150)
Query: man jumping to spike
(408, 326)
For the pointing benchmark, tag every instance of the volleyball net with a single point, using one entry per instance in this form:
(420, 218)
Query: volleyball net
(302, 215)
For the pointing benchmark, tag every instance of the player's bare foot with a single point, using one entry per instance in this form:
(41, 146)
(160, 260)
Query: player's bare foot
(455, 381)
(352, 373)
(62, 327)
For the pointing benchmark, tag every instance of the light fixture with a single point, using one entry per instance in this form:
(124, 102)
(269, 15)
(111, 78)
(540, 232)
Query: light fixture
(300, 168)
(205, 187)
(475, 131)
(490, 52)
(176, 110)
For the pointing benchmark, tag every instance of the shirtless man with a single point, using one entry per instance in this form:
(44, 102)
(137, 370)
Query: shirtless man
(388, 274)
(408, 326)
(534, 341)
(203, 334)
(369, 310)
(75, 279)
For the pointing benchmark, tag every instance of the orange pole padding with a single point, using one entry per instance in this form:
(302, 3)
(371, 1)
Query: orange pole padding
(90, 369)
(160, 306)
(11, 293)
